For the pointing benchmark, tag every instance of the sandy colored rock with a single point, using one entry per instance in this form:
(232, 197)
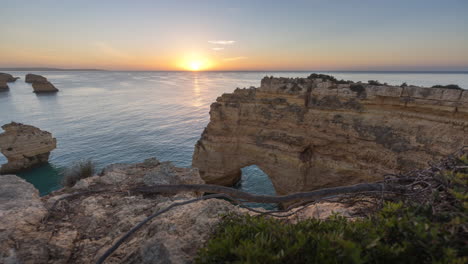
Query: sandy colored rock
(21, 212)
(24, 146)
(34, 78)
(3, 86)
(308, 133)
(80, 230)
(4, 79)
(40, 84)
(7, 77)
(44, 88)
(53, 229)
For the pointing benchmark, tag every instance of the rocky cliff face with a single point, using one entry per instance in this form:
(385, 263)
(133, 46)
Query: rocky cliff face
(24, 146)
(310, 133)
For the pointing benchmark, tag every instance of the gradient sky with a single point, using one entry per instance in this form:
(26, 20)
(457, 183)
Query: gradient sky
(235, 35)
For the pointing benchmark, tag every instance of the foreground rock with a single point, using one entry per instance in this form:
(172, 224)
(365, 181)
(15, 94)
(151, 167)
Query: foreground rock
(80, 228)
(40, 84)
(4, 79)
(24, 147)
(311, 133)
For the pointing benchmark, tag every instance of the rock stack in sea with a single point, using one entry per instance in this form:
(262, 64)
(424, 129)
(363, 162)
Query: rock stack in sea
(4, 79)
(40, 84)
(24, 146)
(317, 132)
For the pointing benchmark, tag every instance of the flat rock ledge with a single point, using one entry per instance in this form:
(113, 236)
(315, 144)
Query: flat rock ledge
(53, 229)
(24, 146)
(40, 84)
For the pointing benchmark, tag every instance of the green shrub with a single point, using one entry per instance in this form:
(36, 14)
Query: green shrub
(374, 82)
(407, 231)
(79, 170)
(394, 235)
(449, 86)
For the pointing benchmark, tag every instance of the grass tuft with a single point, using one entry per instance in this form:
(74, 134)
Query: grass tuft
(79, 170)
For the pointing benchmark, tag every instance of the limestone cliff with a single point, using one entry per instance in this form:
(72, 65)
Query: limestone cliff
(78, 224)
(24, 146)
(315, 132)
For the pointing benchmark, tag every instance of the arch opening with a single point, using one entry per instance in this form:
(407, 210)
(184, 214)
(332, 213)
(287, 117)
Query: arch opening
(255, 180)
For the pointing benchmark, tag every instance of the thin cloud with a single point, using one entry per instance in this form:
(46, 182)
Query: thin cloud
(235, 58)
(217, 48)
(222, 42)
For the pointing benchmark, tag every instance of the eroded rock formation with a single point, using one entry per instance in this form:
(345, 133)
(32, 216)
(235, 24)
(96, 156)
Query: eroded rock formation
(4, 79)
(40, 84)
(80, 228)
(24, 146)
(310, 133)
(7, 77)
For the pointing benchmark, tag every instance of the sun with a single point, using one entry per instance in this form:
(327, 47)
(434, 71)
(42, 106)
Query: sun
(195, 65)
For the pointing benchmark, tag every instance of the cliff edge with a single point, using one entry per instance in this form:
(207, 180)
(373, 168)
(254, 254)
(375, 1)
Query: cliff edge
(317, 132)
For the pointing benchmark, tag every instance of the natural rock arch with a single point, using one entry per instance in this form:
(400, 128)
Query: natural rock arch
(311, 133)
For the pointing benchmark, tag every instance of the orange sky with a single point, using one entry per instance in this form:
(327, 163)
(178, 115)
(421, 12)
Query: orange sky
(241, 35)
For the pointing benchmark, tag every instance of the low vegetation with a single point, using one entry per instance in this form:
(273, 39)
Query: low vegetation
(326, 77)
(79, 170)
(430, 226)
(449, 86)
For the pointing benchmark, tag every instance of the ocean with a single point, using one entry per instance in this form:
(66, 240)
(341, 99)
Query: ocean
(127, 117)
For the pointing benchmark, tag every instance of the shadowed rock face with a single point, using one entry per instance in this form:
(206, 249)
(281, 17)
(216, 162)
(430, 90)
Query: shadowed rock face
(311, 133)
(40, 84)
(24, 146)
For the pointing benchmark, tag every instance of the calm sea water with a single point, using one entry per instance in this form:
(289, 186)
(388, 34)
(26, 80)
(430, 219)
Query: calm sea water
(126, 117)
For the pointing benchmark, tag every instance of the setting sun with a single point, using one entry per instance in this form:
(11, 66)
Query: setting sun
(195, 65)
(195, 62)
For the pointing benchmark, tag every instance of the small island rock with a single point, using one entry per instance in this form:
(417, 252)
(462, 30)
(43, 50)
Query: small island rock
(24, 146)
(7, 77)
(40, 84)
(3, 86)
(4, 79)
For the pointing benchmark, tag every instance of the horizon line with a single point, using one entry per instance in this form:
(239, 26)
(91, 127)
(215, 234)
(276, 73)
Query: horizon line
(126, 70)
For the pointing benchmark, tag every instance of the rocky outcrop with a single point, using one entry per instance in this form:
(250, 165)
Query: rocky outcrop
(40, 84)
(79, 230)
(78, 224)
(32, 78)
(24, 146)
(7, 77)
(316, 132)
(3, 86)
(4, 79)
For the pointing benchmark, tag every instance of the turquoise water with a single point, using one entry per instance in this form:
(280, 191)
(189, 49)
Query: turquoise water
(114, 117)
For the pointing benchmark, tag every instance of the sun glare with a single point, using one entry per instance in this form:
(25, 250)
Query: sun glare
(195, 65)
